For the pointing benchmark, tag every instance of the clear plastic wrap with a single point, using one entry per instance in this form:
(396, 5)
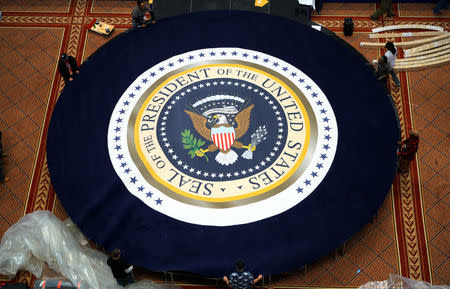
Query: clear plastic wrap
(400, 282)
(41, 237)
(54, 282)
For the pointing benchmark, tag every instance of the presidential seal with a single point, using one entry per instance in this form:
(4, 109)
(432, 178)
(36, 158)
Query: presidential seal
(222, 136)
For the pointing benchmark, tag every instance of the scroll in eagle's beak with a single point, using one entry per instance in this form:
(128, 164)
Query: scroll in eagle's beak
(216, 116)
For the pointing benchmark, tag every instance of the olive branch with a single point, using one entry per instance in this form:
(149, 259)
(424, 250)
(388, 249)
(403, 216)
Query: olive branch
(192, 143)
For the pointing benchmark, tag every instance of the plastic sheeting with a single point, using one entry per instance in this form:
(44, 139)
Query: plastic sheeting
(53, 283)
(399, 282)
(41, 237)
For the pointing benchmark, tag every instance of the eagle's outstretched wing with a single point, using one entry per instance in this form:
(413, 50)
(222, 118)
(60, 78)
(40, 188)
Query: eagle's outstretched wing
(199, 122)
(243, 121)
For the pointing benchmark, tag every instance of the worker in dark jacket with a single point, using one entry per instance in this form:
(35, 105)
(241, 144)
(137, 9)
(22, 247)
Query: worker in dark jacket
(382, 70)
(138, 18)
(407, 151)
(121, 270)
(68, 67)
(2, 177)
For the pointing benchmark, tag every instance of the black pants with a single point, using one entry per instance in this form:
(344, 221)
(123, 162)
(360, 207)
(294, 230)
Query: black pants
(319, 5)
(66, 80)
(2, 177)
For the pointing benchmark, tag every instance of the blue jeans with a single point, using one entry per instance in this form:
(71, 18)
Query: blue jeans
(441, 4)
(394, 77)
(125, 281)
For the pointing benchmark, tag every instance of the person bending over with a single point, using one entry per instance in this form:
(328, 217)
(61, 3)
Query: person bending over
(121, 270)
(138, 15)
(407, 151)
(68, 67)
(241, 279)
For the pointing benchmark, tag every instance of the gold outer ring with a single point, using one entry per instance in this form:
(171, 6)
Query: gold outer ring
(147, 176)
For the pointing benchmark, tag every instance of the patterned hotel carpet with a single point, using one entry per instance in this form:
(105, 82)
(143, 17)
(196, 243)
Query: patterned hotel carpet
(410, 233)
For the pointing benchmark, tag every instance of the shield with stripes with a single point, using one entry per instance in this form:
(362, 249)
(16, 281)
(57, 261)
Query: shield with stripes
(223, 137)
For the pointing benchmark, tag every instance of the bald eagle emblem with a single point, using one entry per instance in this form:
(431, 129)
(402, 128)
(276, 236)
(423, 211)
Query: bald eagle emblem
(219, 121)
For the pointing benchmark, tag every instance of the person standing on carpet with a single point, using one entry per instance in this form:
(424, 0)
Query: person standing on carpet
(319, 5)
(241, 279)
(68, 67)
(138, 15)
(407, 151)
(3, 179)
(386, 5)
(121, 270)
(382, 70)
(391, 55)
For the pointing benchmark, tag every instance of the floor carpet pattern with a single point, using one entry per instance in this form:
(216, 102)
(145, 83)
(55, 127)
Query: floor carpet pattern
(410, 233)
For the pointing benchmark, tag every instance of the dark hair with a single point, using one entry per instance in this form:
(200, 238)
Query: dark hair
(391, 47)
(115, 253)
(139, 2)
(64, 57)
(240, 265)
(384, 58)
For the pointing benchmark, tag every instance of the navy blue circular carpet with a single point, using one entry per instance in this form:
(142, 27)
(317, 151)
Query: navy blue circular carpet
(215, 136)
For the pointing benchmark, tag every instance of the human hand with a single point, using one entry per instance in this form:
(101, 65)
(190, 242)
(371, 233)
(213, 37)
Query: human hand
(77, 72)
(154, 21)
(260, 277)
(225, 278)
(70, 79)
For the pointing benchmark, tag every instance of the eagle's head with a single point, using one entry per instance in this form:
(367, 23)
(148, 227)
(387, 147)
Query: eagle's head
(221, 119)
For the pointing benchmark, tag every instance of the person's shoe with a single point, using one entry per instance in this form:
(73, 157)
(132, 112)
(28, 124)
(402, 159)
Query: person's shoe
(373, 17)
(392, 15)
(439, 13)
(400, 171)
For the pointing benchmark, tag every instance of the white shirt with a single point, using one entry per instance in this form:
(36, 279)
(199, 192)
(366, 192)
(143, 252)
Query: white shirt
(391, 58)
(308, 3)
